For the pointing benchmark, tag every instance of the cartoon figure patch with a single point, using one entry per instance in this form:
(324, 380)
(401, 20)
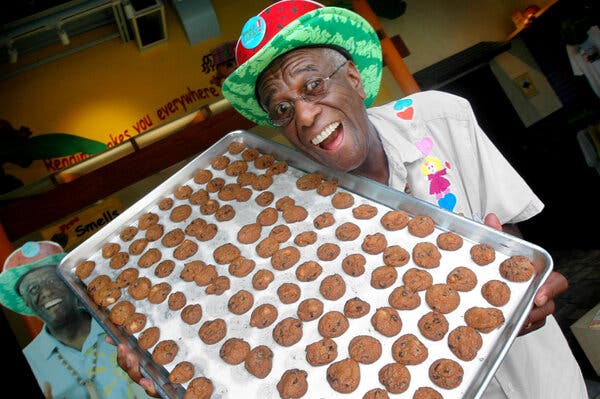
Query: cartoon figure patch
(433, 168)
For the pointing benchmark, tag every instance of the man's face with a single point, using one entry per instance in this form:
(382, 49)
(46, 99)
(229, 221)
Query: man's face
(47, 295)
(332, 130)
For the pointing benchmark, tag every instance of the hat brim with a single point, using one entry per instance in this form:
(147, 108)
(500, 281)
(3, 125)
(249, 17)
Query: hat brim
(325, 26)
(9, 296)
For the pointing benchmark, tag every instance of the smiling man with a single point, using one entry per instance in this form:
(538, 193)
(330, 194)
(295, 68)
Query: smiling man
(69, 357)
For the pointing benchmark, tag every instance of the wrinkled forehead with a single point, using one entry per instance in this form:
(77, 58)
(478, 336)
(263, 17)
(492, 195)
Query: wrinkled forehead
(36, 275)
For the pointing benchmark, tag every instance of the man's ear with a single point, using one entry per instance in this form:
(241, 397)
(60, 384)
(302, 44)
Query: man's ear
(355, 80)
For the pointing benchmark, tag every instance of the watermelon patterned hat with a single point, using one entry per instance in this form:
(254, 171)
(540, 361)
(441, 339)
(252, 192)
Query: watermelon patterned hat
(290, 24)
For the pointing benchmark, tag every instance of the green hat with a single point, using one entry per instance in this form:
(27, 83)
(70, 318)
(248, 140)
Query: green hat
(32, 255)
(290, 24)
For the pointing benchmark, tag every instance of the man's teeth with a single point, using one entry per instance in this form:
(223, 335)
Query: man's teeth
(52, 303)
(325, 133)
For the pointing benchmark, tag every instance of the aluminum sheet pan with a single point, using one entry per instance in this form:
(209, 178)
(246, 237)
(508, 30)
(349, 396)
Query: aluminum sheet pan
(234, 381)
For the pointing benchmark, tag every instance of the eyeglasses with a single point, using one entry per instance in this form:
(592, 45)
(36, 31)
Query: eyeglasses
(313, 90)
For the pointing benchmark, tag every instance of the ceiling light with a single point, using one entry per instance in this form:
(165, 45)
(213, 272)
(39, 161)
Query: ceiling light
(62, 34)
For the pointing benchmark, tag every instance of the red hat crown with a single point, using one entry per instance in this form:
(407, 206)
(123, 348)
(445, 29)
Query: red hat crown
(259, 30)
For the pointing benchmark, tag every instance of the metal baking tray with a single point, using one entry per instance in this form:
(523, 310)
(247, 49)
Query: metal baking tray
(477, 377)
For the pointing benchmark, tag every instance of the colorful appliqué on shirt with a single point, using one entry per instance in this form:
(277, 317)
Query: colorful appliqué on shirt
(433, 168)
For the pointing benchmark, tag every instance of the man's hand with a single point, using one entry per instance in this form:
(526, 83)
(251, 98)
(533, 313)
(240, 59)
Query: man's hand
(130, 363)
(543, 302)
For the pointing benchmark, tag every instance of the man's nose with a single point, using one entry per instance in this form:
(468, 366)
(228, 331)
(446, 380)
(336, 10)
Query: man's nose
(305, 112)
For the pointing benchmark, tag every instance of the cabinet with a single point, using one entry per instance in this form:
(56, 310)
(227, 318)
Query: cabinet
(147, 19)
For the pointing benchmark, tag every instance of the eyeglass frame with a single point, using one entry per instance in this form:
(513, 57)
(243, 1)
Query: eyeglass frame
(303, 97)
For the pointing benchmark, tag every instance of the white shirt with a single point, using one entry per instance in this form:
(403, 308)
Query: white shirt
(437, 152)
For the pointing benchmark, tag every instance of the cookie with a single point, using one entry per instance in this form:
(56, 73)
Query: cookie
(288, 331)
(364, 349)
(461, 278)
(259, 361)
(135, 323)
(215, 184)
(212, 331)
(220, 162)
(267, 217)
(347, 231)
(210, 207)
(147, 219)
(140, 288)
(464, 342)
(292, 384)
(355, 308)
(262, 182)
(150, 257)
(119, 260)
(241, 266)
(84, 269)
(173, 238)
(354, 264)
(262, 279)
(374, 243)
(394, 220)
(482, 254)
(127, 276)
(403, 298)
(288, 293)
(225, 253)
(149, 337)
(199, 197)
(386, 321)
(267, 247)
(182, 192)
(190, 269)
(446, 373)
(310, 309)
(427, 393)
(333, 324)
(433, 325)
(364, 212)
(517, 268)
(309, 181)
(483, 319)
(249, 233)
(205, 274)
(305, 238)
(263, 315)
(234, 350)
(186, 249)
(284, 258)
(442, 298)
(323, 220)
(245, 178)
(110, 249)
(159, 292)
(128, 233)
(449, 241)
(328, 251)
(192, 313)
(376, 393)
(294, 213)
(120, 312)
(224, 213)
(421, 226)
(383, 277)
(281, 233)
(416, 279)
(426, 254)
(496, 292)
(199, 388)
(165, 204)
(308, 271)
(395, 256)
(164, 268)
(282, 203)
(265, 198)
(240, 302)
(321, 352)
(218, 286)
(409, 350)
(235, 168)
(177, 300)
(278, 168)
(395, 377)
(327, 188)
(180, 213)
(235, 147)
(182, 372)
(342, 200)
(344, 375)
(138, 246)
(332, 287)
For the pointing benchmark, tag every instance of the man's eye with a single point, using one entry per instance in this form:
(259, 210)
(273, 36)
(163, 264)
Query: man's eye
(314, 87)
(282, 108)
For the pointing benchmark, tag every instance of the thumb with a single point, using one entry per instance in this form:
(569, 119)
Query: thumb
(47, 390)
(492, 220)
